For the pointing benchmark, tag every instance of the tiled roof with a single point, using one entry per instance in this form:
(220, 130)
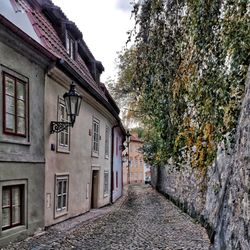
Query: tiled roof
(53, 43)
(109, 97)
(18, 18)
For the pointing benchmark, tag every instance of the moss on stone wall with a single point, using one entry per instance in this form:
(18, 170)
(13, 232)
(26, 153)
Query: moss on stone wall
(190, 60)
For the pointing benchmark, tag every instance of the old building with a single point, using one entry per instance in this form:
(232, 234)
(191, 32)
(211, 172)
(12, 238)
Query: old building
(23, 62)
(133, 169)
(117, 178)
(60, 173)
(77, 160)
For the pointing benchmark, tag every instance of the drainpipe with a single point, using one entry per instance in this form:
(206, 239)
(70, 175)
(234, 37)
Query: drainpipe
(112, 164)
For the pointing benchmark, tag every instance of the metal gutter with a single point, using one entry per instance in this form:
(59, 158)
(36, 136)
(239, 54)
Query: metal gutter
(63, 65)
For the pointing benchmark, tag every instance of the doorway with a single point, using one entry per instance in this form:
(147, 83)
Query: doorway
(94, 190)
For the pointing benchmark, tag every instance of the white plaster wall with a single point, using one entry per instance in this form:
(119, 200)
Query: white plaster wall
(78, 163)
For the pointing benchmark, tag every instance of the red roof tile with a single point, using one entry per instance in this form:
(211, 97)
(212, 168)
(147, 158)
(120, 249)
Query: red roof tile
(53, 43)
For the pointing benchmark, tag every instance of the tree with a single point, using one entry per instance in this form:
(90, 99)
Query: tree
(184, 76)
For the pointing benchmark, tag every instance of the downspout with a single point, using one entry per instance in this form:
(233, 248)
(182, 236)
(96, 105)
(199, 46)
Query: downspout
(112, 164)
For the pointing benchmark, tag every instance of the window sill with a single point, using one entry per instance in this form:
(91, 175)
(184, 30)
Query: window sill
(60, 214)
(95, 155)
(15, 142)
(63, 150)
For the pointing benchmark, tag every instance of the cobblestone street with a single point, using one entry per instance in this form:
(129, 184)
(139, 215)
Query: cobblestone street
(143, 220)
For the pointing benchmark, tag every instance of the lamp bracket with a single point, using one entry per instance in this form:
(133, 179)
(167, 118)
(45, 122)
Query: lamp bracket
(57, 127)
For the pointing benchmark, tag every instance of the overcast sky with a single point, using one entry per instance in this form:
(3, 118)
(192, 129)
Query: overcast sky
(104, 25)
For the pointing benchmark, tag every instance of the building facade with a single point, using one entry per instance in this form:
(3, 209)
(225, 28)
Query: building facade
(22, 166)
(133, 169)
(117, 171)
(78, 159)
(48, 177)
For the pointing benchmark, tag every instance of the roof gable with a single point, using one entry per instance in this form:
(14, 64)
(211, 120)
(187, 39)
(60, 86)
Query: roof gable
(51, 37)
(50, 25)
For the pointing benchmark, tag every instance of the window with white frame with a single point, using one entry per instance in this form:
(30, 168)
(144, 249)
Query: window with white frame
(95, 137)
(64, 136)
(141, 162)
(107, 135)
(70, 46)
(61, 199)
(131, 162)
(12, 206)
(136, 161)
(106, 183)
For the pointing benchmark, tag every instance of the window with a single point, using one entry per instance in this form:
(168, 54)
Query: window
(106, 183)
(140, 176)
(131, 177)
(116, 174)
(12, 206)
(62, 193)
(95, 137)
(136, 161)
(15, 105)
(107, 134)
(116, 145)
(131, 161)
(70, 46)
(64, 136)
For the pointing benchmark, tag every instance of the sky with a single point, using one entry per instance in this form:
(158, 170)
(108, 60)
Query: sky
(104, 25)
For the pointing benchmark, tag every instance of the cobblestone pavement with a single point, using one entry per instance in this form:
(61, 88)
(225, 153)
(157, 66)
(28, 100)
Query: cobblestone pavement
(145, 220)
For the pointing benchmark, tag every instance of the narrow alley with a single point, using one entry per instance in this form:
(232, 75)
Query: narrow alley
(144, 219)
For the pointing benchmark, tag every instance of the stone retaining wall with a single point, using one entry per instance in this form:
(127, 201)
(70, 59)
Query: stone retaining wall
(221, 200)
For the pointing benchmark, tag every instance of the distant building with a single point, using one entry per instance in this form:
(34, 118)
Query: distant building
(133, 170)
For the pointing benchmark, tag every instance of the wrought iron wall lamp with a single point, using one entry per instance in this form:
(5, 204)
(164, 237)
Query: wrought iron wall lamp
(73, 103)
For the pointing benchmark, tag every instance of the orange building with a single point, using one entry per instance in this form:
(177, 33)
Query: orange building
(133, 170)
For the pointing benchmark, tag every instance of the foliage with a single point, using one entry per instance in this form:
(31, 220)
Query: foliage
(139, 131)
(184, 75)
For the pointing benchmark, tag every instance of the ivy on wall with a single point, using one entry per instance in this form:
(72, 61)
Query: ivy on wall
(186, 73)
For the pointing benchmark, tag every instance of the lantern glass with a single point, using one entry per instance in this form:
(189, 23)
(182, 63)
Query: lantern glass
(73, 103)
